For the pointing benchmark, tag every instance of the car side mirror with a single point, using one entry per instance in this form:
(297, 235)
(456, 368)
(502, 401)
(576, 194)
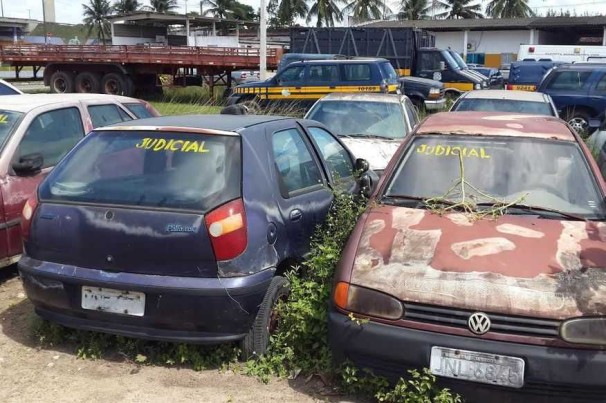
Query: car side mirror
(365, 185)
(361, 166)
(442, 66)
(594, 123)
(28, 164)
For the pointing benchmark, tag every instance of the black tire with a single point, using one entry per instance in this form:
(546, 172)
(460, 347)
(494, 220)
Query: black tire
(62, 82)
(578, 119)
(114, 84)
(257, 340)
(88, 83)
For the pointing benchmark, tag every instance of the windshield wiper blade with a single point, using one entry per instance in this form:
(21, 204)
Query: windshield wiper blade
(367, 135)
(537, 209)
(395, 199)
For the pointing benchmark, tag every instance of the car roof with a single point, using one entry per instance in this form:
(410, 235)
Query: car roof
(363, 96)
(342, 61)
(583, 66)
(228, 123)
(28, 102)
(507, 94)
(496, 124)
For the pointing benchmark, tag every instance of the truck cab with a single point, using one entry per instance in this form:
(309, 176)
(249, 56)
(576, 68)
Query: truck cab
(440, 65)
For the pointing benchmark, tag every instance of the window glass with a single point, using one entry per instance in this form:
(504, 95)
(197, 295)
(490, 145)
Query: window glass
(9, 121)
(160, 169)
(411, 112)
(388, 71)
(503, 105)
(601, 86)
(52, 134)
(568, 80)
(295, 164)
(104, 115)
(430, 61)
(292, 75)
(357, 72)
(337, 158)
(6, 90)
(323, 73)
(139, 110)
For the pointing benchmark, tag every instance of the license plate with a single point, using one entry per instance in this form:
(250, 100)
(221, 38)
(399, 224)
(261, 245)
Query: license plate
(477, 367)
(524, 87)
(114, 301)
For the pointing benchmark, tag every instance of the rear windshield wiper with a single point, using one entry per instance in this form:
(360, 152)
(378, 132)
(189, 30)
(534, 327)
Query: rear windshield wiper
(543, 212)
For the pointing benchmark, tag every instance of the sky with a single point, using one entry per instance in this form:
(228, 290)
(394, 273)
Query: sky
(70, 11)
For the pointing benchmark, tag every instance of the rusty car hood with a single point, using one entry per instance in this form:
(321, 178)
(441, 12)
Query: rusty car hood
(515, 265)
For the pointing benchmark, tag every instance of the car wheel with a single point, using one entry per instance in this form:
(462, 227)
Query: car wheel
(114, 84)
(257, 340)
(578, 120)
(88, 83)
(62, 82)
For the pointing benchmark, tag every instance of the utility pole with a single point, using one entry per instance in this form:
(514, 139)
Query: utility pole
(2, 7)
(263, 42)
(44, 23)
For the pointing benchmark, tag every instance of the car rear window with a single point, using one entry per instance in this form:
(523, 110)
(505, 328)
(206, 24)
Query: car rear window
(504, 105)
(139, 110)
(549, 174)
(157, 170)
(8, 122)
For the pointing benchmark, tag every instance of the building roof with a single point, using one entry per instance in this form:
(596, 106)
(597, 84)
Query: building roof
(144, 17)
(506, 94)
(229, 123)
(27, 102)
(495, 24)
(496, 124)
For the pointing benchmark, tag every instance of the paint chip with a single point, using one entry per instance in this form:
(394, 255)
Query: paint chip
(482, 247)
(518, 230)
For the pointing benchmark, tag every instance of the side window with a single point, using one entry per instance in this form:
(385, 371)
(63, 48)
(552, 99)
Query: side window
(323, 74)
(104, 115)
(6, 90)
(337, 157)
(294, 162)
(411, 111)
(52, 134)
(601, 86)
(429, 61)
(568, 80)
(292, 76)
(139, 110)
(356, 72)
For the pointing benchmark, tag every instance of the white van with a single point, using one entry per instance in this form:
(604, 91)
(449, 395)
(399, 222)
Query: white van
(559, 53)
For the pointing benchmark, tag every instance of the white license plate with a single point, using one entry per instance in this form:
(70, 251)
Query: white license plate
(477, 367)
(114, 301)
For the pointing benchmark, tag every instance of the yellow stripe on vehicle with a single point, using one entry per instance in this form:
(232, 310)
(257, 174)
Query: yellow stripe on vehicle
(523, 87)
(460, 86)
(403, 72)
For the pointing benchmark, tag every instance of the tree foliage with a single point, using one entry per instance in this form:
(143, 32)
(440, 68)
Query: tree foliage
(327, 12)
(231, 9)
(163, 6)
(365, 10)
(461, 9)
(126, 6)
(509, 9)
(419, 9)
(95, 18)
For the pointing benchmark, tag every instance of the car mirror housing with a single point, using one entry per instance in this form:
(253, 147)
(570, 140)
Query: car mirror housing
(28, 164)
(594, 123)
(361, 166)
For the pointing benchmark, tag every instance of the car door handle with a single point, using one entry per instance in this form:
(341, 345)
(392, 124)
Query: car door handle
(296, 215)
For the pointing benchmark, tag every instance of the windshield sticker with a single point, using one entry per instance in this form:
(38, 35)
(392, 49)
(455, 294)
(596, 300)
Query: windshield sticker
(172, 145)
(439, 151)
(3, 119)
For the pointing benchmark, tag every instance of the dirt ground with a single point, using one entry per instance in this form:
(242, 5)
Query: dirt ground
(31, 373)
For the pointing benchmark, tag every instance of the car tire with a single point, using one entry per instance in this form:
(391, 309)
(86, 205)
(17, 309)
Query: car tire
(62, 82)
(114, 84)
(257, 340)
(579, 120)
(88, 83)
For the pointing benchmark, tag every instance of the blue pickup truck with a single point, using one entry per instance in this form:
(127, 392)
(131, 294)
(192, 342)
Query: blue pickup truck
(578, 91)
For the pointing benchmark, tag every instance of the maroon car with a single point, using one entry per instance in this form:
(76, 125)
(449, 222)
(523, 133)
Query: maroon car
(493, 276)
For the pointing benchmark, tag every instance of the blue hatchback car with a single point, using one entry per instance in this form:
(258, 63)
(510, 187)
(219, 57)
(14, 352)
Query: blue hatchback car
(181, 228)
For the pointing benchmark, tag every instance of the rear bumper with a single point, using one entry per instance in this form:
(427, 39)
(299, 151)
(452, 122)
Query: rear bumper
(183, 309)
(569, 374)
(435, 105)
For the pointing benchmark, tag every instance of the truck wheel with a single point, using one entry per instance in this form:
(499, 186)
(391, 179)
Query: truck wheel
(62, 82)
(88, 83)
(257, 340)
(114, 84)
(579, 120)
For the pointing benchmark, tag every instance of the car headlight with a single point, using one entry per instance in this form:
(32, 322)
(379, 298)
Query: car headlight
(478, 86)
(434, 90)
(584, 331)
(367, 302)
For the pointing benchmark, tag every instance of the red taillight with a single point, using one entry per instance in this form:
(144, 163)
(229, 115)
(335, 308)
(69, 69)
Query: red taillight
(27, 216)
(509, 87)
(226, 228)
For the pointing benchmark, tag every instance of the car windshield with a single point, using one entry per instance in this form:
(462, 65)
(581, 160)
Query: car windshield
(504, 105)
(459, 60)
(160, 170)
(450, 62)
(9, 121)
(361, 118)
(548, 174)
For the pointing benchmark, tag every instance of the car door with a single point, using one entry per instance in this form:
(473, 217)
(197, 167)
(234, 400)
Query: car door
(567, 88)
(597, 92)
(289, 84)
(51, 133)
(303, 195)
(322, 79)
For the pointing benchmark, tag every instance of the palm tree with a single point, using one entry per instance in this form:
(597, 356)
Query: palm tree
(326, 12)
(163, 6)
(126, 6)
(365, 10)
(289, 10)
(461, 9)
(95, 17)
(419, 9)
(509, 9)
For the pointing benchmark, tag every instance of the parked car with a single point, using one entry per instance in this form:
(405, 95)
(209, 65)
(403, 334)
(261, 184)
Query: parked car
(510, 303)
(495, 78)
(526, 75)
(181, 228)
(306, 82)
(243, 76)
(371, 125)
(36, 131)
(534, 103)
(578, 91)
(424, 93)
(8, 89)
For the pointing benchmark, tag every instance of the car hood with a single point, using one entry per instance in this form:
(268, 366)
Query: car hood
(515, 265)
(377, 152)
(421, 82)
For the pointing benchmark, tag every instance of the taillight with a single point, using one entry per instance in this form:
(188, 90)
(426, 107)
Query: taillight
(226, 228)
(27, 216)
(509, 87)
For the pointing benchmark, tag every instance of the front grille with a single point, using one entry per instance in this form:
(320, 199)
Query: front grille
(499, 323)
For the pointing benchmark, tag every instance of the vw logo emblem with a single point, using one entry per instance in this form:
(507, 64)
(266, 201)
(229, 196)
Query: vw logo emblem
(479, 323)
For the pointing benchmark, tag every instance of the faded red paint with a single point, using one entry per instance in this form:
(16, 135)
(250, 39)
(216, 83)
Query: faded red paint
(496, 124)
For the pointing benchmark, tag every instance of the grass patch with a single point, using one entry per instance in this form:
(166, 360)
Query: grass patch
(175, 108)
